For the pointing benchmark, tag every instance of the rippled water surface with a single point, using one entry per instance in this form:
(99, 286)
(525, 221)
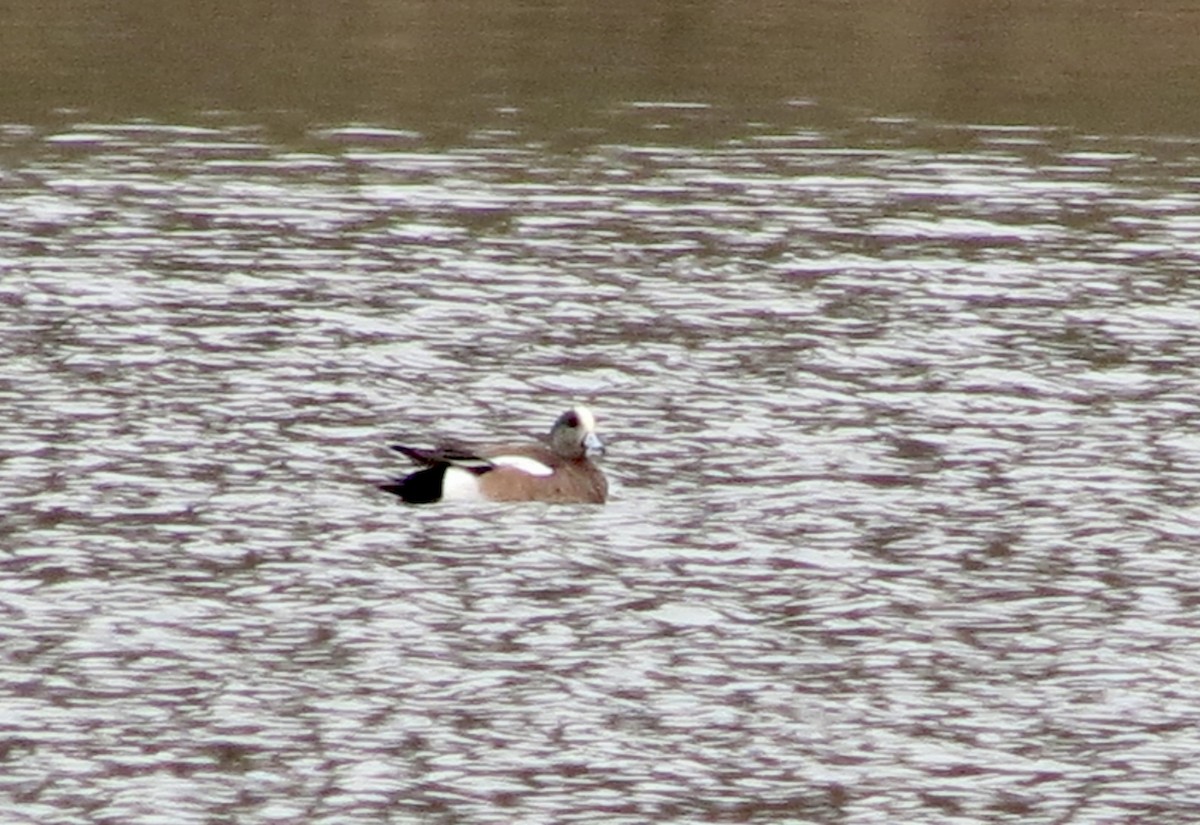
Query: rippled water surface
(903, 442)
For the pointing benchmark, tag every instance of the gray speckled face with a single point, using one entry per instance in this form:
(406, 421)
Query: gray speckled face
(574, 433)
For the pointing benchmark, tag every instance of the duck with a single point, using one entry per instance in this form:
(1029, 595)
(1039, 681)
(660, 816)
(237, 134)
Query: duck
(557, 470)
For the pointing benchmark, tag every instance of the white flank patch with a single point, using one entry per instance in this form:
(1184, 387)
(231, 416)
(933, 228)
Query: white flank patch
(460, 485)
(523, 463)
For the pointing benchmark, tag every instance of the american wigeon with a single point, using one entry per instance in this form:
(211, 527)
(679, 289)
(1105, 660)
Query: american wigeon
(558, 471)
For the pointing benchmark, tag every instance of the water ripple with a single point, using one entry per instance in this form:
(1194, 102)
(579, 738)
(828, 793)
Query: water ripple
(902, 455)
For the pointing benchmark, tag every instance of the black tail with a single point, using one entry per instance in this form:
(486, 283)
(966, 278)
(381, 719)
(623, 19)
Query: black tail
(421, 487)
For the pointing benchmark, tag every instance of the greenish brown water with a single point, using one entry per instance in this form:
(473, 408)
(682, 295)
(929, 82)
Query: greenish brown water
(564, 67)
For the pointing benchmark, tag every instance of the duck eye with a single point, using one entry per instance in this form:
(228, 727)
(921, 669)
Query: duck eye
(572, 420)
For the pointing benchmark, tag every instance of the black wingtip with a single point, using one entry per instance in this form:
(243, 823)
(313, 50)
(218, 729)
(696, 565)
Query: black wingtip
(424, 458)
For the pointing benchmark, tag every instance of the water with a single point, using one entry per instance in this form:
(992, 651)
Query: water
(903, 456)
(903, 450)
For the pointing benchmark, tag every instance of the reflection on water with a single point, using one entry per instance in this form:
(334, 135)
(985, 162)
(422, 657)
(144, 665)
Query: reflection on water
(903, 451)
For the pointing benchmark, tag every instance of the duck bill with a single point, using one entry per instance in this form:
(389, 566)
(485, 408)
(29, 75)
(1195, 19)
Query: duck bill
(592, 445)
